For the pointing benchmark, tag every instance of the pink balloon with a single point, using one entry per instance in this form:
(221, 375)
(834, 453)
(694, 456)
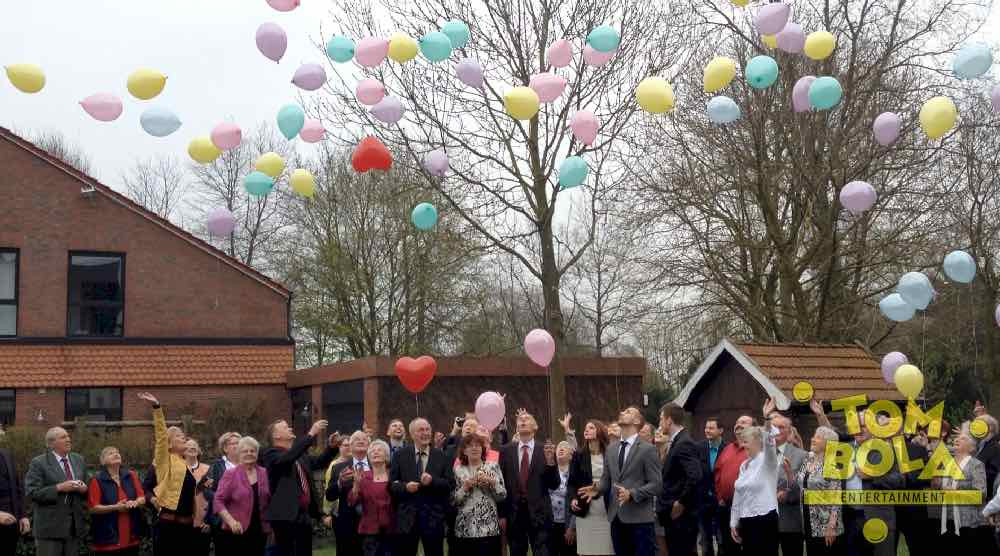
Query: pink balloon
(540, 347)
(559, 53)
(791, 39)
(371, 51)
(800, 94)
(892, 361)
(309, 77)
(597, 58)
(858, 196)
(283, 5)
(389, 110)
(272, 41)
(312, 131)
(369, 92)
(436, 163)
(226, 135)
(772, 18)
(470, 72)
(104, 107)
(886, 128)
(995, 98)
(220, 222)
(490, 409)
(584, 125)
(548, 86)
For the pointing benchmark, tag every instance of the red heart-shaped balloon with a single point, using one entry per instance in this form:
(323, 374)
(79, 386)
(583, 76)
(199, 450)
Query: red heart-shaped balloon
(371, 154)
(416, 374)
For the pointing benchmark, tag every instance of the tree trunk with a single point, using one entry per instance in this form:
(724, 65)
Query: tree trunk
(553, 322)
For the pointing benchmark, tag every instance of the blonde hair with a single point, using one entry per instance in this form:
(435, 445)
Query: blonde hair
(225, 438)
(105, 452)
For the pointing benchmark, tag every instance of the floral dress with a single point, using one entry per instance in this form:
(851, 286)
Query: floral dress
(477, 509)
(816, 517)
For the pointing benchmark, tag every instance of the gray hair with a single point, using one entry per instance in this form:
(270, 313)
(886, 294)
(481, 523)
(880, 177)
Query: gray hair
(380, 444)
(826, 433)
(992, 422)
(359, 435)
(248, 441)
(415, 422)
(51, 434)
(225, 438)
(752, 433)
(105, 452)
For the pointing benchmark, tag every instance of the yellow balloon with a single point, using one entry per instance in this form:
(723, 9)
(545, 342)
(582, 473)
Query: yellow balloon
(741, 3)
(819, 45)
(28, 78)
(203, 150)
(303, 182)
(271, 164)
(655, 95)
(909, 380)
(521, 103)
(938, 116)
(718, 73)
(770, 40)
(145, 84)
(402, 48)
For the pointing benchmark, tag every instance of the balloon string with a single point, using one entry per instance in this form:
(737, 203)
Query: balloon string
(975, 339)
(416, 397)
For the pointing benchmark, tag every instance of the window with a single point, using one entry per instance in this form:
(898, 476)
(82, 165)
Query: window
(8, 292)
(7, 407)
(344, 405)
(96, 294)
(98, 404)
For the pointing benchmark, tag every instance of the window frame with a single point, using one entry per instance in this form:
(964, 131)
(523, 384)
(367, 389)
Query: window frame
(13, 415)
(69, 306)
(121, 402)
(17, 289)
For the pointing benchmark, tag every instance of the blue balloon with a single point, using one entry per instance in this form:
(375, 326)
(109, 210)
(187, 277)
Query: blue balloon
(435, 46)
(915, 289)
(723, 110)
(159, 122)
(457, 32)
(291, 118)
(424, 216)
(572, 172)
(825, 93)
(761, 72)
(604, 39)
(258, 184)
(340, 49)
(973, 61)
(895, 308)
(960, 267)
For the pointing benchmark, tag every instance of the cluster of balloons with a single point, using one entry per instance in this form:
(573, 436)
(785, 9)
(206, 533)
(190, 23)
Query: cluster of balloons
(915, 292)
(897, 370)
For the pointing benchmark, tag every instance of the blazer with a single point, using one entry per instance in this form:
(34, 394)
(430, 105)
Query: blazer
(170, 468)
(681, 475)
(55, 512)
(968, 516)
(541, 479)
(215, 473)
(345, 523)
(235, 495)
(790, 512)
(706, 490)
(990, 456)
(15, 504)
(892, 480)
(641, 475)
(283, 478)
(424, 510)
(581, 474)
(375, 502)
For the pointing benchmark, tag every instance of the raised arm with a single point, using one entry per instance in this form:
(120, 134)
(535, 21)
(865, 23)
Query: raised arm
(161, 448)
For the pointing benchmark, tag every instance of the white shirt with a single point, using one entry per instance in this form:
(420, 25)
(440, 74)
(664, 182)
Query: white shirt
(628, 447)
(362, 462)
(59, 460)
(520, 450)
(756, 489)
(229, 465)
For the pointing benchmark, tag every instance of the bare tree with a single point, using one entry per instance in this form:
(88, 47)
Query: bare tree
(57, 145)
(157, 183)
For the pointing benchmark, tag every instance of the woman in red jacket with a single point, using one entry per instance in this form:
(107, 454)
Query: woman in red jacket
(372, 492)
(241, 501)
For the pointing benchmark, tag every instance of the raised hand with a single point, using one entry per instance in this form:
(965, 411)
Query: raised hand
(317, 428)
(816, 406)
(769, 407)
(149, 398)
(565, 421)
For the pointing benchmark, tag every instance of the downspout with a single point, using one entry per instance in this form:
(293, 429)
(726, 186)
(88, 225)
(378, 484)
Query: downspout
(288, 320)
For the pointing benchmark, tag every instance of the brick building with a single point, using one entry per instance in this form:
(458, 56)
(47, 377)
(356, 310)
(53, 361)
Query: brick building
(100, 299)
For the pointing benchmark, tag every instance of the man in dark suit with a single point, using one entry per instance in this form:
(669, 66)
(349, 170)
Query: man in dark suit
(708, 507)
(529, 474)
(789, 494)
(989, 452)
(294, 501)
(912, 521)
(682, 471)
(13, 522)
(56, 484)
(421, 481)
(345, 526)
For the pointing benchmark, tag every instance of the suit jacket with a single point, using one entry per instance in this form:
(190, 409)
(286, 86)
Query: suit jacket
(790, 512)
(284, 482)
(706, 489)
(14, 505)
(682, 470)
(541, 479)
(424, 510)
(581, 474)
(911, 481)
(990, 456)
(58, 515)
(640, 475)
(892, 480)
(345, 524)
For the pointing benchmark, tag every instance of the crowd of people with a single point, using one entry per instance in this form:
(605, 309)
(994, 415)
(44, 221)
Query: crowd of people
(626, 487)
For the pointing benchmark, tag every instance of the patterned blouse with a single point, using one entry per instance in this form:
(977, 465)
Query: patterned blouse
(558, 497)
(811, 478)
(477, 509)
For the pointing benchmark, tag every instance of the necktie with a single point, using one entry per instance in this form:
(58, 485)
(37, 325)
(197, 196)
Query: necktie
(525, 467)
(67, 469)
(421, 463)
(621, 455)
(304, 499)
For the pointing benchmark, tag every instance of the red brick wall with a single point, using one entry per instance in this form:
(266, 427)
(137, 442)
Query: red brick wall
(28, 401)
(172, 289)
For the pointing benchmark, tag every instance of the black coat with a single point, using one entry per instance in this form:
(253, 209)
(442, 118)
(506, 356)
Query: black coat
(14, 505)
(682, 474)
(581, 474)
(990, 456)
(424, 510)
(541, 479)
(346, 521)
(706, 490)
(284, 482)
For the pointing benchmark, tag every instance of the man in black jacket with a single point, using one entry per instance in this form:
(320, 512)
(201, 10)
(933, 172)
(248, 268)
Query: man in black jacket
(682, 470)
(294, 501)
(421, 481)
(529, 474)
(708, 508)
(13, 522)
(345, 526)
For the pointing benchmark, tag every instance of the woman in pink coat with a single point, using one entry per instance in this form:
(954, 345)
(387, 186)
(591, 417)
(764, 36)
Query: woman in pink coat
(240, 501)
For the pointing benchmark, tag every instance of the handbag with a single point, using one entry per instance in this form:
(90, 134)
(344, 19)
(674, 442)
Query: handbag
(581, 503)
